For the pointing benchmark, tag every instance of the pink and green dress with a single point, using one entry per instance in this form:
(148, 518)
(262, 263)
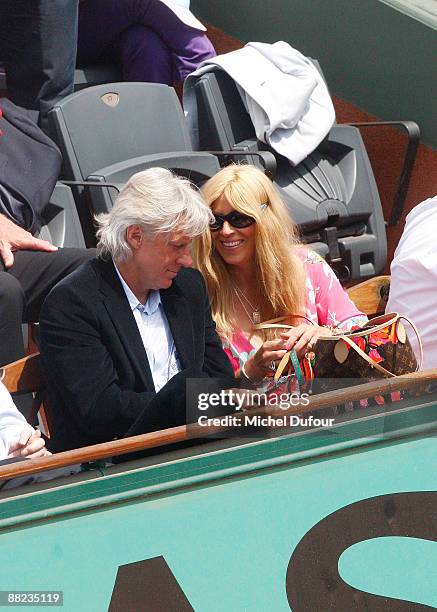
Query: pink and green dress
(326, 303)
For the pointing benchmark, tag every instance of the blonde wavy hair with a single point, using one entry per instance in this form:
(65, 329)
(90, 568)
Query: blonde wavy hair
(279, 269)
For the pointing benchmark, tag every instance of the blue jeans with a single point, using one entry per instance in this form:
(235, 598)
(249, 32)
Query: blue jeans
(38, 40)
(144, 36)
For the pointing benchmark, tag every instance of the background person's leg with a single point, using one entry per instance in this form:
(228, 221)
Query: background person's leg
(23, 289)
(58, 34)
(38, 41)
(12, 305)
(102, 21)
(196, 49)
(144, 56)
(100, 24)
(38, 272)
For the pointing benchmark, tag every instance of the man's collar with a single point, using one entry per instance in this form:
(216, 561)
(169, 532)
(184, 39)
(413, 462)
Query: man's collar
(153, 299)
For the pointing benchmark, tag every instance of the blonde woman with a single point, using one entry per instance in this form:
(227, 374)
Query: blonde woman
(256, 269)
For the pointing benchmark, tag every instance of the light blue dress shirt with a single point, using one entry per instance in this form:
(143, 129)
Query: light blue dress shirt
(155, 333)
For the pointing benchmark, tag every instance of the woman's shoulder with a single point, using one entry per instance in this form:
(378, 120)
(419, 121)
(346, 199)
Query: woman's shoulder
(315, 266)
(308, 256)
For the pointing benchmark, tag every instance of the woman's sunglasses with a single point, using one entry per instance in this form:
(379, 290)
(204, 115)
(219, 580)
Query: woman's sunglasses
(234, 218)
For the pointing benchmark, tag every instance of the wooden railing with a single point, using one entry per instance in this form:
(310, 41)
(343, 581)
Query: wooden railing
(417, 381)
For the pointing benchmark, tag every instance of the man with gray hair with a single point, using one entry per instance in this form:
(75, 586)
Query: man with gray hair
(120, 335)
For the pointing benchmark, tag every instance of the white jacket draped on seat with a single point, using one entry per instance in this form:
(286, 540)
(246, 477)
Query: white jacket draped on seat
(283, 92)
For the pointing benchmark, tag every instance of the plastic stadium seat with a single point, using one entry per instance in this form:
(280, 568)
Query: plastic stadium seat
(109, 132)
(61, 222)
(371, 295)
(61, 227)
(22, 377)
(86, 76)
(89, 76)
(331, 195)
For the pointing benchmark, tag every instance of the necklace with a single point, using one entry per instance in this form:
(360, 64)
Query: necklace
(255, 317)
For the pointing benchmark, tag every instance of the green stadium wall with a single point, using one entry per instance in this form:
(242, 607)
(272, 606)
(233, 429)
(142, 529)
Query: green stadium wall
(372, 55)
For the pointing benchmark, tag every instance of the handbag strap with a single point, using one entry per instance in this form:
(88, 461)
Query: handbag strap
(362, 354)
(419, 339)
(292, 356)
(277, 322)
(282, 365)
(377, 366)
(297, 369)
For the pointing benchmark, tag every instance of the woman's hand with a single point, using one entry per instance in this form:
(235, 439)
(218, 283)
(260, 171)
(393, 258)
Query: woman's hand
(302, 338)
(260, 364)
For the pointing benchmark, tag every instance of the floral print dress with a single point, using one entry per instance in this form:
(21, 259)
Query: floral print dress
(327, 303)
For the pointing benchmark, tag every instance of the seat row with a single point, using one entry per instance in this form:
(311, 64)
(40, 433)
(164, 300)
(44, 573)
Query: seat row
(108, 132)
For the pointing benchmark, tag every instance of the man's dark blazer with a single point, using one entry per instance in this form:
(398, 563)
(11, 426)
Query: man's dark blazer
(98, 376)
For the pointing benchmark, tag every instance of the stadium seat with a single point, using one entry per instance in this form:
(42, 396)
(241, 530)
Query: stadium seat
(109, 132)
(86, 76)
(371, 295)
(61, 222)
(22, 377)
(89, 76)
(331, 195)
(61, 227)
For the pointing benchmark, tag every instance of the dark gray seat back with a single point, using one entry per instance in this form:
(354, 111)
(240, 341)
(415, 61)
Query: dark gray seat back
(86, 76)
(61, 227)
(61, 222)
(331, 195)
(108, 132)
(108, 124)
(89, 76)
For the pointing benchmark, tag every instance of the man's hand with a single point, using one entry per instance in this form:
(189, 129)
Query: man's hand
(29, 445)
(15, 238)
